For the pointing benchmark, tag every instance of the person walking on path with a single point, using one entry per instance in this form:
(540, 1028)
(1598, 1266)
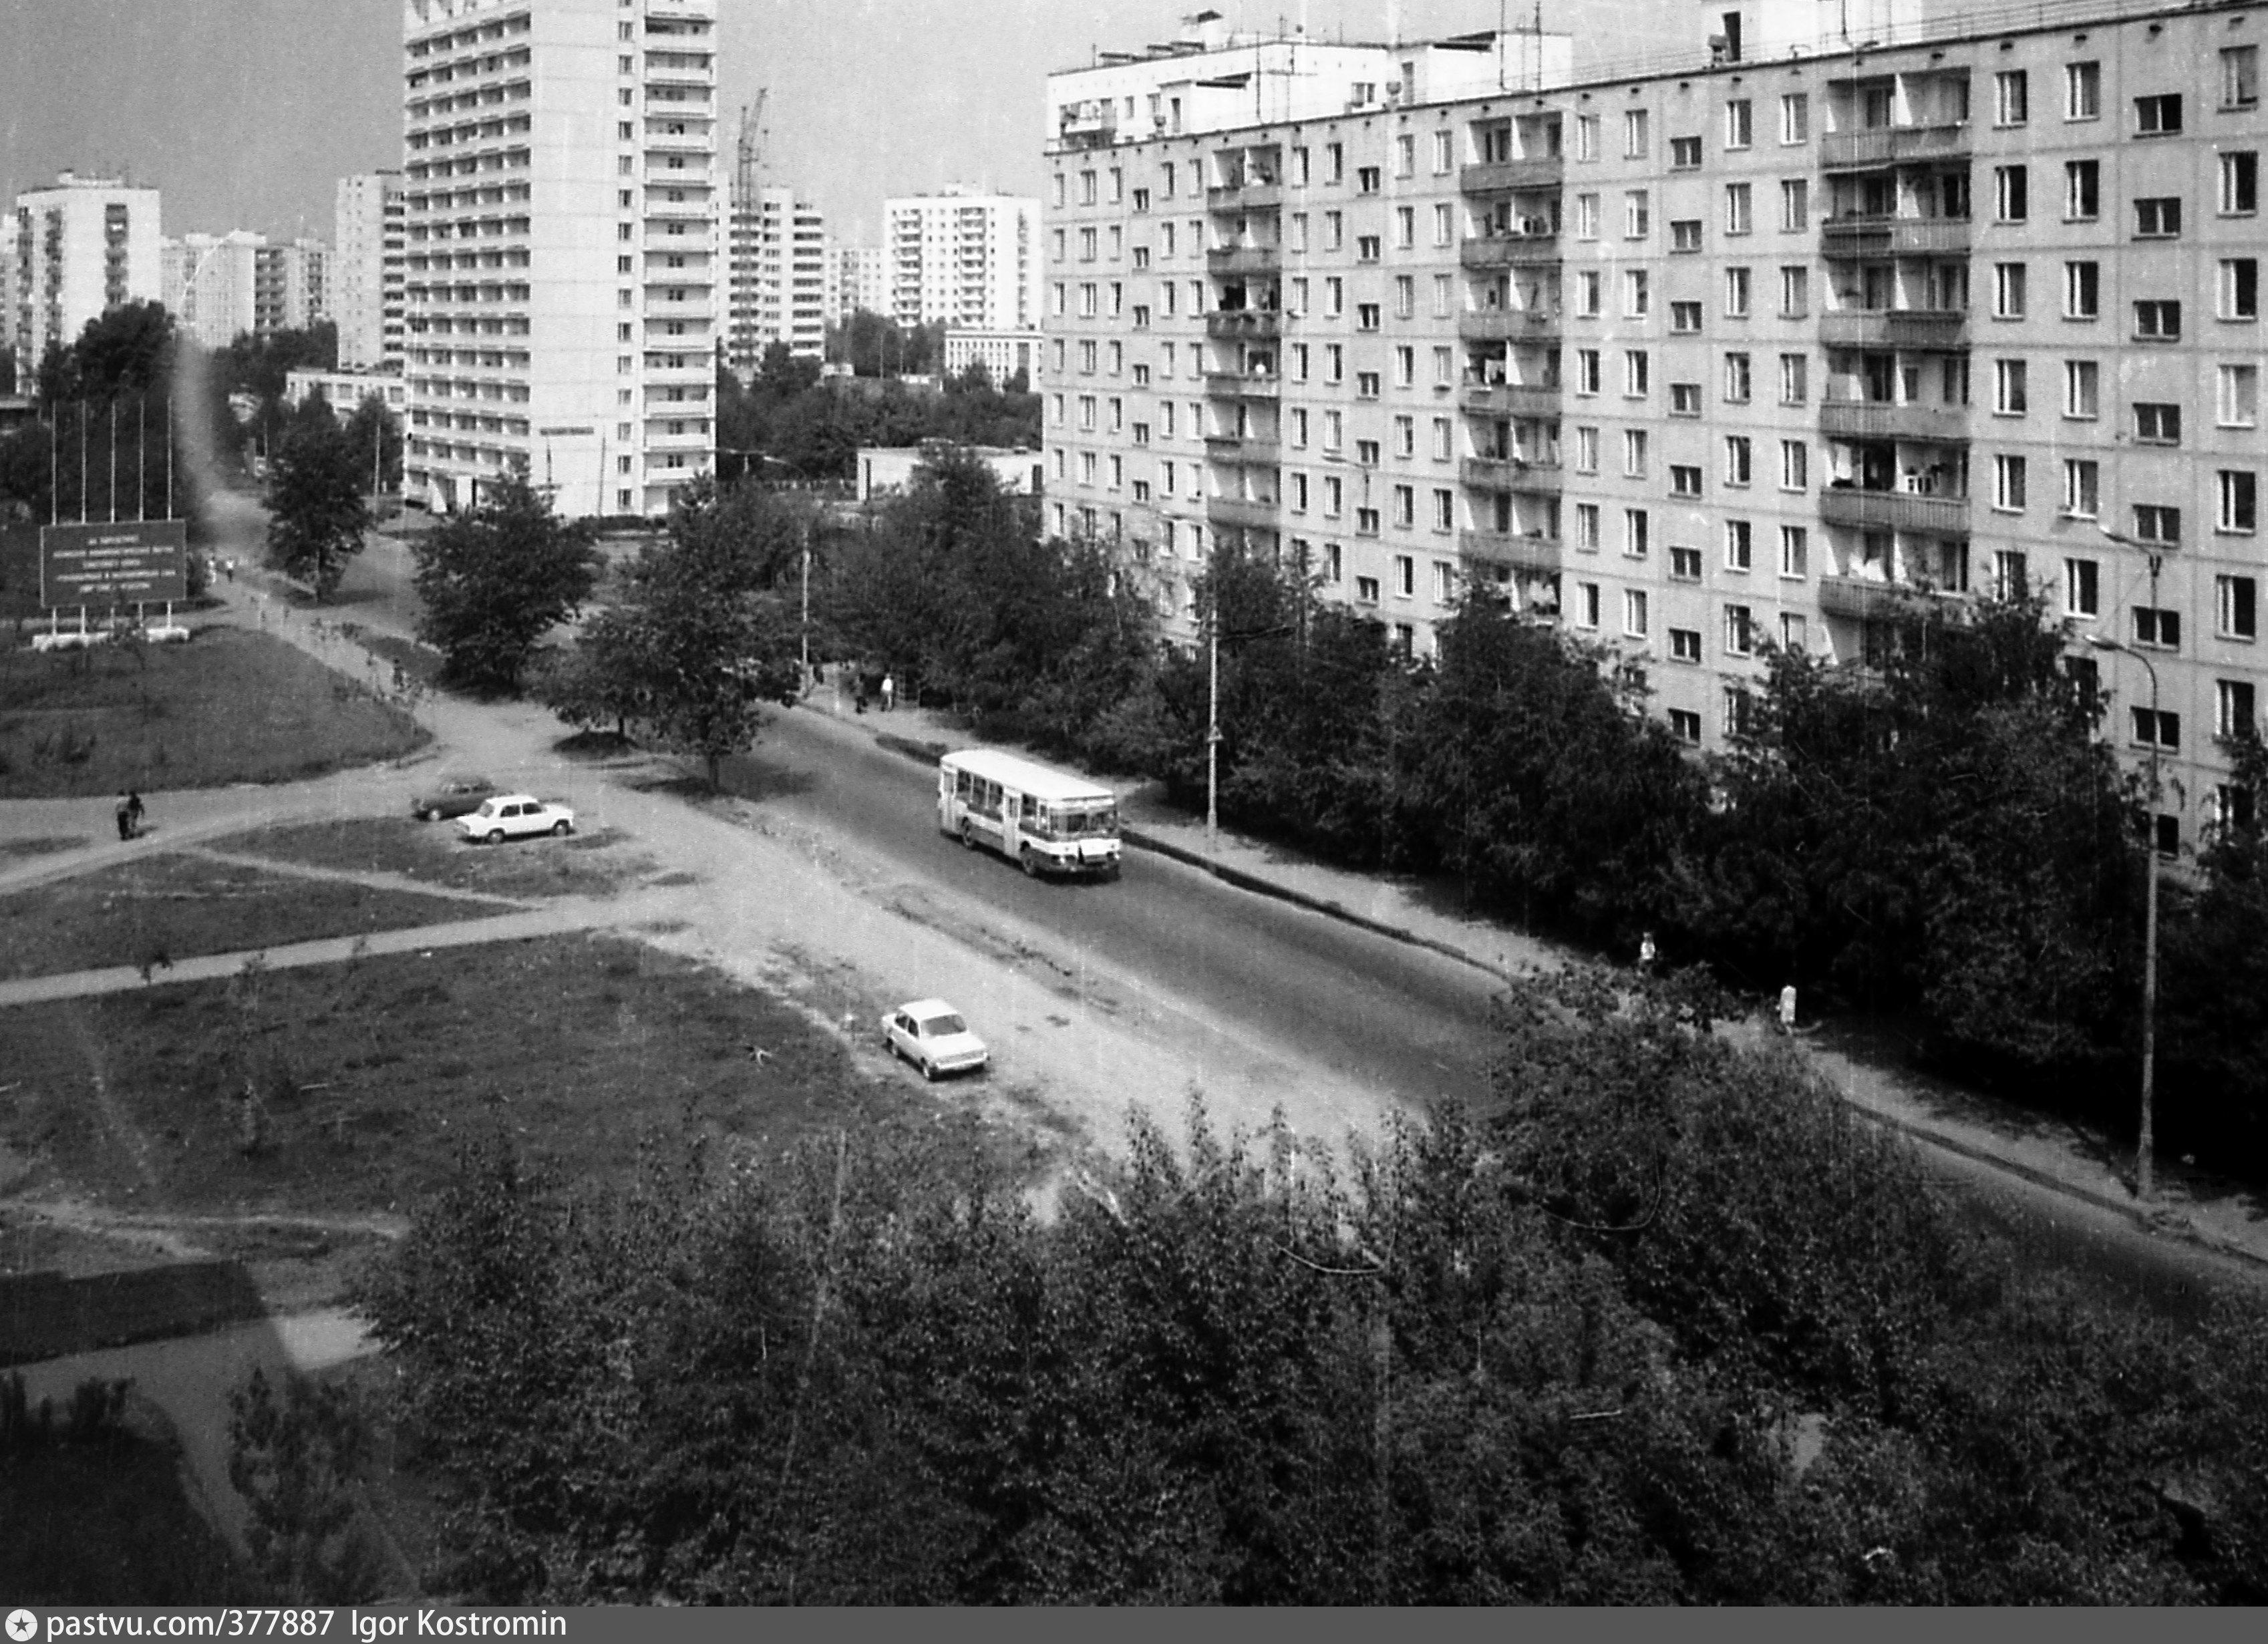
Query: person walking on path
(889, 692)
(1645, 953)
(133, 813)
(1787, 1009)
(125, 816)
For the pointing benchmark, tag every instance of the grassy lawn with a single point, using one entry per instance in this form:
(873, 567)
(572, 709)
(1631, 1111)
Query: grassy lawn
(107, 1523)
(15, 850)
(377, 1072)
(232, 705)
(583, 865)
(181, 906)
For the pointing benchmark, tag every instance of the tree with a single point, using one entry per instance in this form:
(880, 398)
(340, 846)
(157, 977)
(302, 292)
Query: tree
(494, 581)
(375, 432)
(698, 647)
(317, 505)
(295, 1456)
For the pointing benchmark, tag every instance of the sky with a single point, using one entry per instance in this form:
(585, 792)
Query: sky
(244, 113)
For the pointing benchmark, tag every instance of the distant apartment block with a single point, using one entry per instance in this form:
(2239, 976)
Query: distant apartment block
(965, 258)
(563, 288)
(219, 287)
(862, 281)
(778, 273)
(1758, 350)
(83, 246)
(367, 271)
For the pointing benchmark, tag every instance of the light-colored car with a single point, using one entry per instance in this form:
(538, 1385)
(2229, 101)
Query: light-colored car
(934, 1037)
(451, 796)
(515, 817)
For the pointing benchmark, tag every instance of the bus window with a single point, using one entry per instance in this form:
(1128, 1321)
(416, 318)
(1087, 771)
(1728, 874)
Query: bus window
(1027, 810)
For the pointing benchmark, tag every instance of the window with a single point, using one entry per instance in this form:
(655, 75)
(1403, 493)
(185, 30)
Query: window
(2158, 218)
(2158, 321)
(1794, 465)
(1445, 511)
(1684, 479)
(2237, 608)
(2082, 190)
(2081, 592)
(1740, 631)
(1736, 293)
(2240, 501)
(2236, 396)
(2158, 116)
(2082, 481)
(1444, 154)
(1366, 316)
(1795, 118)
(2082, 291)
(1795, 205)
(1405, 435)
(1740, 459)
(1634, 373)
(2159, 629)
(2081, 389)
(1587, 605)
(1738, 545)
(1794, 551)
(1794, 292)
(2156, 523)
(1586, 136)
(1634, 453)
(1634, 134)
(2011, 195)
(2240, 184)
(1366, 590)
(1443, 224)
(1739, 123)
(1587, 217)
(1405, 576)
(1635, 293)
(2012, 98)
(1795, 372)
(1684, 724)
(1636, 526)
(2009, 483)
(1636, 221)
(1587, 282)
(1684, 317)
(2007, 290)
(1685, 234)
(2240, 288)
(1685, 399)
(2157, 728)
(2239, 77)
(1739, 209)
(2235, 714)
(1736, 380)
(1587, 370)
(1586, 450)
(1587, 526)
(2082, 91)
(1685, 566)
(2008, 396)
(1405, 227)
(1685, 153)
(2157, 423)
(1634, 613)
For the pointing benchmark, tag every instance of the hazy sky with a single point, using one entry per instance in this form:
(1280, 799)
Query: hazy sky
(245, 112)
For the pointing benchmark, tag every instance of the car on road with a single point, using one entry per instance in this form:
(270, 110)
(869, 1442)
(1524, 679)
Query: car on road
(934, 1037)
(504, 816)
(451, 796)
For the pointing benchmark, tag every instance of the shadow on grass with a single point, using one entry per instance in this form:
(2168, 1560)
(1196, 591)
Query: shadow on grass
(752, 776)
(595, 745)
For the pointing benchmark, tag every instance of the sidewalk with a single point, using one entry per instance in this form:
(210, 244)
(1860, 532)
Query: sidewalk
(2214, 1214)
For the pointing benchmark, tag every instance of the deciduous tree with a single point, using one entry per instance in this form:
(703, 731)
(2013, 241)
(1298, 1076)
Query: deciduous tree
(494, 582)
(318, 508)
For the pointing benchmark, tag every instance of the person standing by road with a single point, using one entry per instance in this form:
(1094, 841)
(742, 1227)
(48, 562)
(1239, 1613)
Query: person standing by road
(125, 816)
(889, 692)
(1787, 1009)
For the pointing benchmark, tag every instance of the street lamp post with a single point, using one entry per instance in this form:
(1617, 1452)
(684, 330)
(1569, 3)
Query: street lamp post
(2144, 1137)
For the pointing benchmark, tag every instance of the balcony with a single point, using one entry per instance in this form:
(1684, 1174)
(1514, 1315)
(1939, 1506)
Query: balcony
(1245, 451)
(1866, 419)
(1253, 195)
(1509, 325)
(1861, 236)
(1546, 171)
(1090, 125)
(1232, 260)
(1228, 324)
(1892, 145)
(1509, 474)
(1247, 510)
(1895, 327)
(1510, 399)
(1501, 251)
(1506, 548)
(1235, 384)
(1894, 511)
(1863, 598)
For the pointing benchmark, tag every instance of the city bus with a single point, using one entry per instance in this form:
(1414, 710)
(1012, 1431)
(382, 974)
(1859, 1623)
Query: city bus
(1041, 820)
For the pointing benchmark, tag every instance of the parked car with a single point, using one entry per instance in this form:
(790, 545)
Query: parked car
(453, 796)
(934, 1037)
(504, 816)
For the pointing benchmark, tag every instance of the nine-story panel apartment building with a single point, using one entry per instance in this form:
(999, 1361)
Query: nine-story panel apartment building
(1749, 350)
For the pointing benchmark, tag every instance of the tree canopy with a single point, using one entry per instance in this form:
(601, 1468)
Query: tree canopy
(317, 506)
(494, 582)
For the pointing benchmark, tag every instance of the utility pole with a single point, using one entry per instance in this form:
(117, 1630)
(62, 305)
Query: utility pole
(807, 599)
(1212, 740)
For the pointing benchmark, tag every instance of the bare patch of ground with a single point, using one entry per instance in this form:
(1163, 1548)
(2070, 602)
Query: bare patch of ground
(594, 863)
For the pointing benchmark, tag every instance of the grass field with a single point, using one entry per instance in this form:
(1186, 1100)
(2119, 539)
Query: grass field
(107, 1523)
(377, 1072)
(177, 907)
(230, 706)
(585, 865)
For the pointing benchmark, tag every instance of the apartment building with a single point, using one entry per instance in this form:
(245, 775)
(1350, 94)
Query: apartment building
(862, 280)
(366, 271)
(963, 257)
(561, 296)
(219, 287)
(779, 279)
(83, 246)
(1759, 348)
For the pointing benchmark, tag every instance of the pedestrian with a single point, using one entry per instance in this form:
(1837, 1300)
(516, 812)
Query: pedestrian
(125, 816)
(1787, 1009)
(1645, 953)
(230, 565)
(133, 813)
(889, 692)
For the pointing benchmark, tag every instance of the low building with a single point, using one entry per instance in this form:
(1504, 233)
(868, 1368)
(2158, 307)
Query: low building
(1002, 353)
(886, 470)
(346, 390)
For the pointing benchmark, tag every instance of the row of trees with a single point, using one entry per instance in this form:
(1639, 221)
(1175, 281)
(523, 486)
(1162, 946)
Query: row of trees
(1584, 1351)
(788, 423)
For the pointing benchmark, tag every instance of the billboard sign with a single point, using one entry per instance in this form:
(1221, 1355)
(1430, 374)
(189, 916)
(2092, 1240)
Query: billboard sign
(128, 562)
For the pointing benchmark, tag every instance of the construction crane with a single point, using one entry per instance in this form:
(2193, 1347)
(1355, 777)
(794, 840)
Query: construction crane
(748, 169)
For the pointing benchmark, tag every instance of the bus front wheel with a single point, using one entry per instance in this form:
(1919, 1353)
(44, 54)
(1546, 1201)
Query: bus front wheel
(968, 837)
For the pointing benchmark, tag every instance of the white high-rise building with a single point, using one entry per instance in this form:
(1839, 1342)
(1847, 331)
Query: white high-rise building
(211, 285)
(83, 246)
(778, 279)
(965, 258)
(292, 286)
(862, 280)
(561, 213)
(365, 285)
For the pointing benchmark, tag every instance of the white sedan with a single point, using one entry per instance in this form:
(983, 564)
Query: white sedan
(504, 816)
(932, 1035)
